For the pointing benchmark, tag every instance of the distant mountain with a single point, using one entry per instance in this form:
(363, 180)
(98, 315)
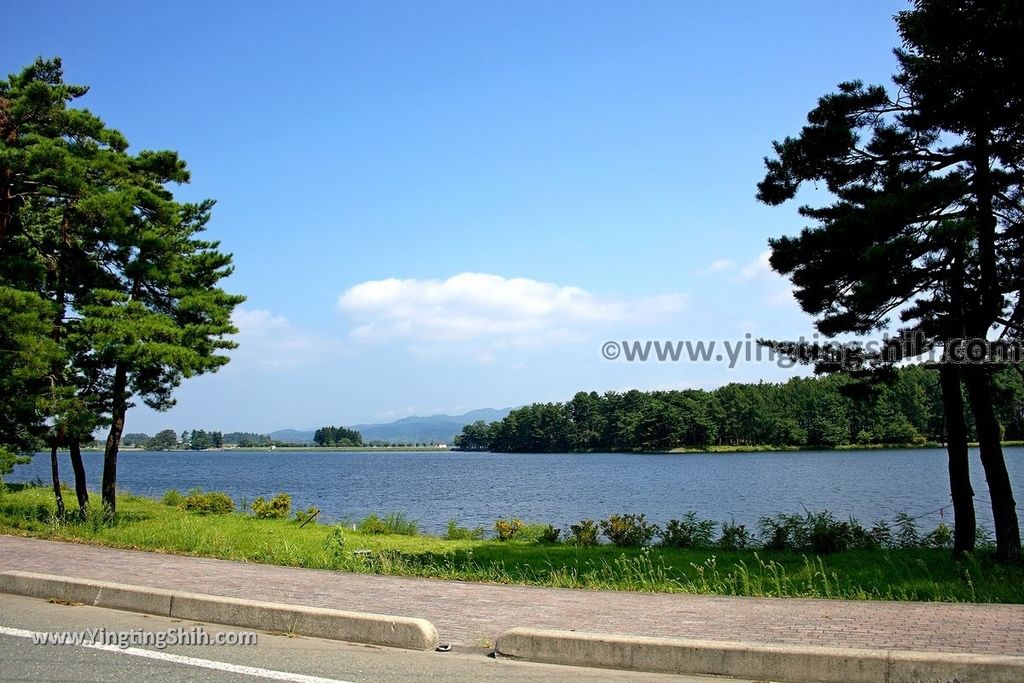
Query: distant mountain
(432, 428)
(415, 429)
(293, 435)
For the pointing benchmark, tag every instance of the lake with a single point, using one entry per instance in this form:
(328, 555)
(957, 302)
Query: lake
(477, 488)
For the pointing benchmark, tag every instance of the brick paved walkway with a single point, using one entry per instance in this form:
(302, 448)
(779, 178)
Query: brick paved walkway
(469, 613)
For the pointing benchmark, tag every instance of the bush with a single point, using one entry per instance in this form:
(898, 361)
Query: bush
(335, 543)
(881, 534)
(173, 498)
(584, 533)
(816, 532)
(906, 534)
(825, 535)
(397, 523)
(208, 503)
(393, 523)
(940, 537)
(507, 529)
(278, 507)
(781, 532)
(629, 531)
(372, 524)
(459, 533)
(306, 515)
(690, 532)
(734, 536)
(549, 534)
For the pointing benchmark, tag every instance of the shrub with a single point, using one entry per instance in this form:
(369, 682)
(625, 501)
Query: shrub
(734, 536)
(689, 532)
(940, 537)
(881, 534)
(549, 534)
(906, 535)
(816, 532)
(507, 529)
(825, 535)
(781, 532)
(628, 531)
(459, 533)
(335, 543)
(173, 498)
(372, 524)
(393, 523)
(584, 533)
(397, 523)
(278, 507)
(208, 503)
(306, 515)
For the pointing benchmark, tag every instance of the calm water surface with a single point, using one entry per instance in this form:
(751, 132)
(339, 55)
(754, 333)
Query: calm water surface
(477, 488)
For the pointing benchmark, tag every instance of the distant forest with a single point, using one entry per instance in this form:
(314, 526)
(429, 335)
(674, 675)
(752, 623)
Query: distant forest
(818, 412)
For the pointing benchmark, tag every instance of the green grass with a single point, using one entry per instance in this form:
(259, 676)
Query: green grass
(145, 524)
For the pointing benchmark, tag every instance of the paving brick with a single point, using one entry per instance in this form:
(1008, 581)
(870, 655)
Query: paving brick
(470, 613)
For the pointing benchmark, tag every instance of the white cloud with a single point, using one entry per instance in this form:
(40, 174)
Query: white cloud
(481, 307)
(271, 342)
(783, 297)
(757, 268)
(720, 265)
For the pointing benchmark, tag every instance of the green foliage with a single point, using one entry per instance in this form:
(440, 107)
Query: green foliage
(507, 529)
(906, 534)
(459, 533)
(394, 523)
(337, 436)
(628, 531)
(371, 524)
(735, 537)
(165, 440)
(94, 246)
(173, 498)
(817, 412)
(208, 502)
(135, 439)
(310, 513)
(334, 544)
(584, 534)
(549, 534)
(689, 532)
(939, 537)
(474, 437)
(278, 507)
(8, 460)
(199, 440)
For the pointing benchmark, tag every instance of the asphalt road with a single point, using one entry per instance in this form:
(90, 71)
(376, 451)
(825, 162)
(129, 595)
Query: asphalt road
(275, 657)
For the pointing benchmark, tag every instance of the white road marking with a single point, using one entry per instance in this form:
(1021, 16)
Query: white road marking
(181, 659)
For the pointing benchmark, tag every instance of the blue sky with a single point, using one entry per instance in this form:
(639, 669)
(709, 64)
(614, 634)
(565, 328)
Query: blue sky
(441, 206)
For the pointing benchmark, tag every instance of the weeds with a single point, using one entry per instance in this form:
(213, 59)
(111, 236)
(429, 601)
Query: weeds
(278, 507)
(459, 533)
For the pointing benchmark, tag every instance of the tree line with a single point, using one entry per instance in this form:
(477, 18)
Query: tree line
(816, 412)
(337, 436)
(196, 439)
(109, 294)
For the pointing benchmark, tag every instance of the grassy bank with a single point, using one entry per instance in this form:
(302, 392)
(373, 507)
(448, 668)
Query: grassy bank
(145, 524)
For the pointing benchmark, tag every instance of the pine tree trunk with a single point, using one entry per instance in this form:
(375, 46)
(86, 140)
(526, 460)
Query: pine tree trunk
(81, 485)
(964, 521)
(55, 475)
(114, 441)
(1004, 508)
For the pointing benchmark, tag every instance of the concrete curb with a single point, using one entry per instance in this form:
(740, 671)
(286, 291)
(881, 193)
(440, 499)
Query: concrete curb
(353, 627)
(758, 661)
